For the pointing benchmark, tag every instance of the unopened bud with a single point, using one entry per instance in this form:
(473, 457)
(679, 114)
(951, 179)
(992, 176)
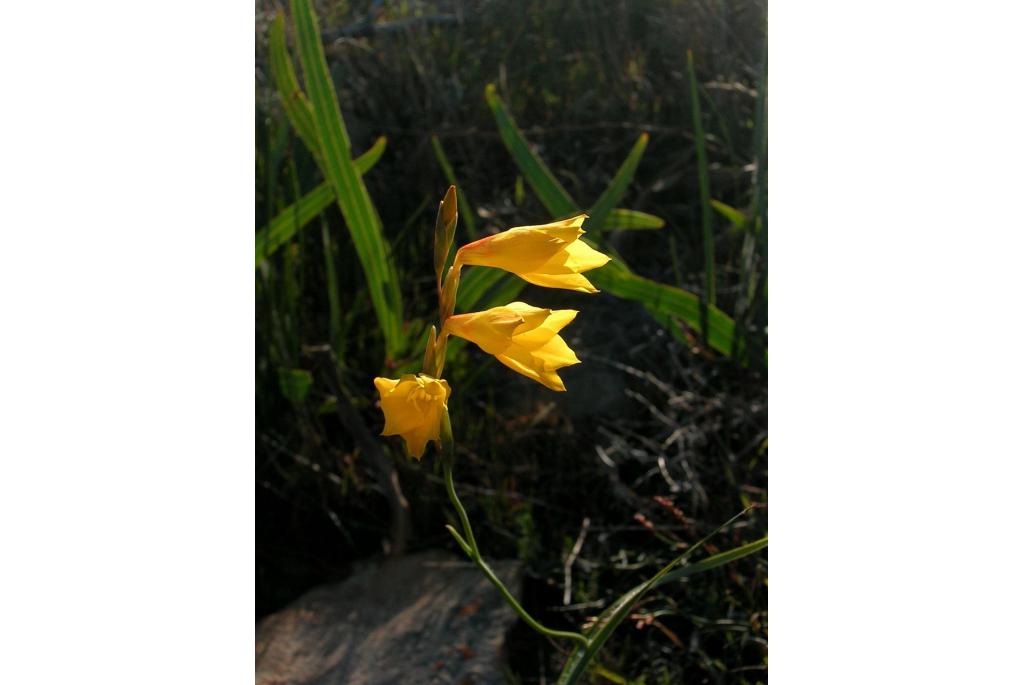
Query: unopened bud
(444, 230)
(429, 354)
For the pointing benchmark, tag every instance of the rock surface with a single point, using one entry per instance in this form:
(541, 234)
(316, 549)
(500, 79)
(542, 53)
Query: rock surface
(422, 618)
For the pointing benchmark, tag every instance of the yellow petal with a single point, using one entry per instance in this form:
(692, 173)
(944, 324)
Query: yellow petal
(538, 336)
(533, 348)
(514, 250)
(571, 222)
(532, 317)
(413, 407)
(549, 255)
(560, 318)
(522, 361)
(416, 442)
(384, 385)
(565, 230)
(555, 354)
(491, 330)
(582, 257)
(570, 281)
(401, 414)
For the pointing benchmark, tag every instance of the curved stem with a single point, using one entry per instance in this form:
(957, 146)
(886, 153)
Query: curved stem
(471, 549)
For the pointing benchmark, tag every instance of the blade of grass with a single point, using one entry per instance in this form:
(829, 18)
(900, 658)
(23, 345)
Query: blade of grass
(550, 192)
(356, 206)
(734, 216)
(333, 301)
(665, 303)
(465, 209)
(552, 195)
(713, 561)
(617, 187)
(705, 192)
(368, 159)
(631, 220)
(292, 218)
(610, 619)
(749, 310)
(296, 106)
(278, 142)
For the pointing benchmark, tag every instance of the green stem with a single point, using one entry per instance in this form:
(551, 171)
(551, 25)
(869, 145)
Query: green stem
(469, 546)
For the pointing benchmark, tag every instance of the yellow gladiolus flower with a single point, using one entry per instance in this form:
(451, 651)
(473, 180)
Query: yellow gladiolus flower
(523, 338)
(413, 408)
(551, 255)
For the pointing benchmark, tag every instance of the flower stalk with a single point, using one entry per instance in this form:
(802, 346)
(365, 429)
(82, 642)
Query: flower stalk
(467, 542)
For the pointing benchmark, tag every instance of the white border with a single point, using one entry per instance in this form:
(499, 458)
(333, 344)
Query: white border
(126, 504)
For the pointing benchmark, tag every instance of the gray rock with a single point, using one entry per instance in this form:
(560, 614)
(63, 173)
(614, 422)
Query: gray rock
(423, 618)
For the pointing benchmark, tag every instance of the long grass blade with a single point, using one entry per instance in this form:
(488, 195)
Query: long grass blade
(704, 184)
(749, 308)
(293, 218)
(550, 192)
(713, 561)
(617, 187)
(465, 209)
(333, 298)
(356, 206)
(666, 303)
(631, 220)
(612, 617)
(294, 101)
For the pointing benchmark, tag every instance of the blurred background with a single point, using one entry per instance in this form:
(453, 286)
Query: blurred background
(662, 435)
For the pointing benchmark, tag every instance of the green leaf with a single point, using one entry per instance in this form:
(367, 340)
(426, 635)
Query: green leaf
(550, 192)
(356, 206)
(296, 106)
(665, 303)
(734, 216)
(293, 217)
(713, 561)
(704, 183)
(295, 384)
(368, 159)
(617, 187)
(631, 220)
(465, 209)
